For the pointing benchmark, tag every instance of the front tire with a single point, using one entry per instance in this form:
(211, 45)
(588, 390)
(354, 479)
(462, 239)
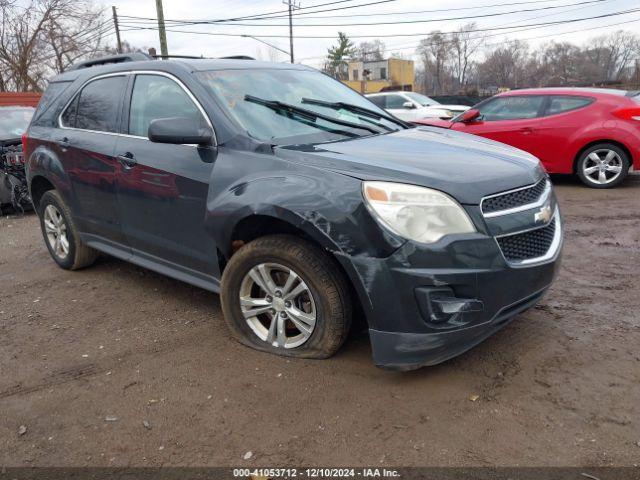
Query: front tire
(603, 165)
(284, 295)
(60, 234)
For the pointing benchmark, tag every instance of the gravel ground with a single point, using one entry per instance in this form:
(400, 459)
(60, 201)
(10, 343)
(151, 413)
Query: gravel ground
(118, 366)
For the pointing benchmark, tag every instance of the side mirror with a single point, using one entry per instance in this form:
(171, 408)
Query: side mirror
(179, 130)
(469, 116)
(408, 105)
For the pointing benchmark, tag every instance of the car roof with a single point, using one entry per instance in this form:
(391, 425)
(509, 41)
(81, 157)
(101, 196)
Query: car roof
(193, 65)
(566, 91)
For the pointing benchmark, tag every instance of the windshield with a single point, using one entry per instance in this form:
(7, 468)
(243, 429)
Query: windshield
(421, 99)
(273, 125)
(14, 122)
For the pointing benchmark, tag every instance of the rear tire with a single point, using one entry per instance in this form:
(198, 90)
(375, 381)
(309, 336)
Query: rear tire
(257, 288)
(603, 165)
(61, 235)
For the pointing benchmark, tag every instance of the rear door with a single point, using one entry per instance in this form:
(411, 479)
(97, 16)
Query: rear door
(85, 143)
(162, 189)
(512, 119)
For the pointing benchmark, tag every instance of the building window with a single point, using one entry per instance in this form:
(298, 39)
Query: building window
(355, 74)
(383, 73)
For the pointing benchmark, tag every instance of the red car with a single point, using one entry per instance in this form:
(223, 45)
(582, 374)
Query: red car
(591, 132)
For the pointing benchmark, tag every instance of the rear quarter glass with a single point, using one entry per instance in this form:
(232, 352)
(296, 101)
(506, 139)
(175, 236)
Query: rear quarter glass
(53, 91)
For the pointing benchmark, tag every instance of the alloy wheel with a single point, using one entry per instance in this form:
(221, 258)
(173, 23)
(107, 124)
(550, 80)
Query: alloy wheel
(602, 166)
(277, 305)
(56, 232)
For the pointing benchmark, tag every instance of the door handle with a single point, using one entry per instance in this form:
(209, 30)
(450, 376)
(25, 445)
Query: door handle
(527, 130)
(128, 160)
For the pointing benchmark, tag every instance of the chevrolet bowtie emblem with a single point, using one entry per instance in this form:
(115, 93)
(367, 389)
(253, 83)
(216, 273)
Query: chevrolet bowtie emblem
(544, 215)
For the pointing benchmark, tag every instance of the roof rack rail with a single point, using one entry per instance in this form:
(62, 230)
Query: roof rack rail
(192, 57)
(110, 59)
(237, 57)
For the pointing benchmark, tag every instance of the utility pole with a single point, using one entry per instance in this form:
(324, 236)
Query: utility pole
(292, 6)
(164, 52)
(115, 22)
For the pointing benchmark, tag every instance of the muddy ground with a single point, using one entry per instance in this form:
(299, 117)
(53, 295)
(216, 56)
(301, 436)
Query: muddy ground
(86, 357)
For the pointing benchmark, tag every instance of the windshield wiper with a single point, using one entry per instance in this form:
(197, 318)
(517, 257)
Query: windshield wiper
(365, 112)
(309, 115)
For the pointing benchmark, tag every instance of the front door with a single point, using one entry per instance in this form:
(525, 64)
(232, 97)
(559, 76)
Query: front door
(395, 105)
(162, 189)
(513, 120)
(86, 144)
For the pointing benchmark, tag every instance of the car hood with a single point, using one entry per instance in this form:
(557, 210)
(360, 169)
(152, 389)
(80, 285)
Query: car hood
(434, 122)
(467, 167)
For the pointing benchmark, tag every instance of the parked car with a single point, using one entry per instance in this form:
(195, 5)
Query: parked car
(296, 199)
(13, 183)
(593, 133)
(410, 106)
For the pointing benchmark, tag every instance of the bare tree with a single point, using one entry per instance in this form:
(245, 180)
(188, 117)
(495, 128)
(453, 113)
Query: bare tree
(370, 51)
(436, 54)
(45, 37)
(126, 48)
(505, 65)
(465, 46)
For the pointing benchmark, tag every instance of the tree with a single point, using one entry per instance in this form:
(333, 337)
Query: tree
(436, 54)
(126, 48)
(337, 63)
(44, 37)
(465, 45)
(505, 66)
(370, 51)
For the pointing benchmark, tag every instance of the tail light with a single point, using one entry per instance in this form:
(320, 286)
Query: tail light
(24, 144)
(631, 113)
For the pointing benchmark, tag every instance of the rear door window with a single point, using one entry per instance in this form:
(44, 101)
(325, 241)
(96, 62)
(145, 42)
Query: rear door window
(52, 92)
(512, 108)
(97, 106)
(564, 103)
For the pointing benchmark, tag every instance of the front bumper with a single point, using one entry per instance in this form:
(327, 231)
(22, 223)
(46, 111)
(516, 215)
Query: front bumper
(427, 304)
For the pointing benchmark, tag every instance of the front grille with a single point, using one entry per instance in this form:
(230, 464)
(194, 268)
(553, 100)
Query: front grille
(514, 199)
(528, 245)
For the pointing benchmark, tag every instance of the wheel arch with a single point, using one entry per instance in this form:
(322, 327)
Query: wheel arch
(617, 143)
(259, 225)
(38, 186)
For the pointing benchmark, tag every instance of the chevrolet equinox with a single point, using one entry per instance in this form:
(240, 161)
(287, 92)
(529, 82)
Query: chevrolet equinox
(297, 199)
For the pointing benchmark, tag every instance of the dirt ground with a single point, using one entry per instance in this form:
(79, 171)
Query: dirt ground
(88, 357)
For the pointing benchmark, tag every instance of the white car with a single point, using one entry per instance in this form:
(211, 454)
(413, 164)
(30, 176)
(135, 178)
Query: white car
(411, 106)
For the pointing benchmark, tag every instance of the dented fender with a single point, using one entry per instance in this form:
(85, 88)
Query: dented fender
(328, 208)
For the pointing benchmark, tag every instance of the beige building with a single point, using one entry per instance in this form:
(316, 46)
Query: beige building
(378, 75)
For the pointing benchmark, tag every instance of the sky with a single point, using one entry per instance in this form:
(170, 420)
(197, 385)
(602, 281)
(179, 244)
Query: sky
(398, 38)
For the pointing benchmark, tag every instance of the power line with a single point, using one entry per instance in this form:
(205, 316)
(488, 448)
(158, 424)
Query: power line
(413, 12)
(415, 45)
(400, 22)
(264, 16)
(558, 22)
(398, 46)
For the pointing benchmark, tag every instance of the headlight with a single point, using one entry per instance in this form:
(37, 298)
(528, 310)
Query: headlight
(416, 213)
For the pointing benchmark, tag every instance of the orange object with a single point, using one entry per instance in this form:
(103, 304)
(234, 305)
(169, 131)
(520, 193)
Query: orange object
(22, 99)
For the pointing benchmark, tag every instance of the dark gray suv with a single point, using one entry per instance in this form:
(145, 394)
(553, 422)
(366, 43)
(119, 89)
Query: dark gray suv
(297, 199)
